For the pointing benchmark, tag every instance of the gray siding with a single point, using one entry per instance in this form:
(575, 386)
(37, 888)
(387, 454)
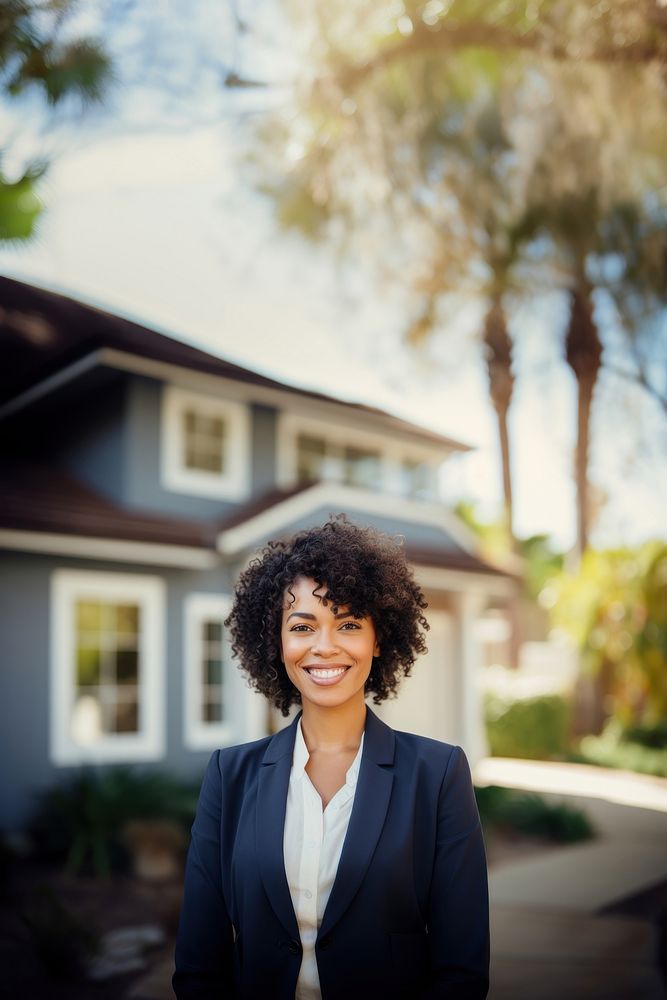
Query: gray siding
(92, 442)
(25, 581)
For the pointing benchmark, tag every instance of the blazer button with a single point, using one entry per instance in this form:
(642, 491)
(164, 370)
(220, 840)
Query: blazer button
(294, 947)
(325, 942)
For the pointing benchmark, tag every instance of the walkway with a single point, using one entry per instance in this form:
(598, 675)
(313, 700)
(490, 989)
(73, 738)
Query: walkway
(549, 939)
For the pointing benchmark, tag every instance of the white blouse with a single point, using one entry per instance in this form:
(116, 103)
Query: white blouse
(312, 846)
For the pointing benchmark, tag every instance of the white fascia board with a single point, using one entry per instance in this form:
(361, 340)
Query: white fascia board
(294, 401)
(77, 546)
(338, 497)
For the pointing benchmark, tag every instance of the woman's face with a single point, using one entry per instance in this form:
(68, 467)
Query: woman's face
(327, 656)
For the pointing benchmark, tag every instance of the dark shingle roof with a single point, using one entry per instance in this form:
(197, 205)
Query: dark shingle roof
(42, 332)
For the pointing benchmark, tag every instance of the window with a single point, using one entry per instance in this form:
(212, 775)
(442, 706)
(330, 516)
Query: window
(208, 686)
(309, 450)
(106, 667)
(205, 445)
(363, 468)
(417, 479)
(321, 459)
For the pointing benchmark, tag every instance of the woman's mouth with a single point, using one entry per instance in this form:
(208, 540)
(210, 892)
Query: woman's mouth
(326, 675)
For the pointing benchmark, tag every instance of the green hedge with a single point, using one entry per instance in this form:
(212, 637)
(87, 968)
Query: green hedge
(502, 808)
(534, 728)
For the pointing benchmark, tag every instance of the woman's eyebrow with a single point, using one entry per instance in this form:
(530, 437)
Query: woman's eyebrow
(312, 618)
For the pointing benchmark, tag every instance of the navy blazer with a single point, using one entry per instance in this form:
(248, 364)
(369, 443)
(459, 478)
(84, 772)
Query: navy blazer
(408, 912)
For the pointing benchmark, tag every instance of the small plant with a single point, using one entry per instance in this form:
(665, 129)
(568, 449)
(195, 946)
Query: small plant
(502, 808)
(82, 822)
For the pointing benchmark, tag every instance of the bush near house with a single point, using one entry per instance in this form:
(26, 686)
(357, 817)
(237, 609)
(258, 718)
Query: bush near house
(639, 748)
(83, 822)
(535, 727)
(530, 814)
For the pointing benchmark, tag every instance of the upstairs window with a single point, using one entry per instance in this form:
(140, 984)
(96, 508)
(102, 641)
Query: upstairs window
(417, 479)
(322, 459)
(205, 445)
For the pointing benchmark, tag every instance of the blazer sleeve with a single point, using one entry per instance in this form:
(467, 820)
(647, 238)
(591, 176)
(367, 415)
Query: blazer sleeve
(458, 910)
(204, 943)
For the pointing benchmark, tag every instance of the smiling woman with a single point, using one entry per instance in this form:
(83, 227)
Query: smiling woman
(338, 858)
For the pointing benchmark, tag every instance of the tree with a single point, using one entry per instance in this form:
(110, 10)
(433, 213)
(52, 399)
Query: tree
(385, 129)
(37, 55)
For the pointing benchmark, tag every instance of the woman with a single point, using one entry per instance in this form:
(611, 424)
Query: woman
(338, 858)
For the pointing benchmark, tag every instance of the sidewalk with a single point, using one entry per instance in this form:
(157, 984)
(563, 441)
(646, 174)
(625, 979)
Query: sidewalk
(549, 939)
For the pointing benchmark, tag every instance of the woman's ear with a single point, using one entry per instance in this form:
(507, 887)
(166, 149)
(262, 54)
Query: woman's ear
(376, 649)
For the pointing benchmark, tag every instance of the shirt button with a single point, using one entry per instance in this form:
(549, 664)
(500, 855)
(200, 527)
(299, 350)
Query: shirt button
(308, 894)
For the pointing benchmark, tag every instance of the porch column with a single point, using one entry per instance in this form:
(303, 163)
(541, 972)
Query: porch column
(469, 606)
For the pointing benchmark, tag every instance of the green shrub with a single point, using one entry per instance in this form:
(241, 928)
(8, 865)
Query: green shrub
(535, 728)
(81, 822)
(640, 749)
(503, 808)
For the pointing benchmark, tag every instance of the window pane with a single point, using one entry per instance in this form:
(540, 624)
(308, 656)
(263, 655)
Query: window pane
(417, 478)
(212, 672)
(127, 666)
(87, 666)
(126, 717)
(212, 631)
(127, 618)
(88, 616)
(204, 442)
(212, 711)
(362, 467)
(311, 458)
(107, 670)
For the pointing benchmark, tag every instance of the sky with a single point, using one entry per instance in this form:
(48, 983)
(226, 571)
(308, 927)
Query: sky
(156, 221)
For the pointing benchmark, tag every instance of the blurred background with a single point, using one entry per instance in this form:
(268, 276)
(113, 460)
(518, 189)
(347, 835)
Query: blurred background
(266, 260)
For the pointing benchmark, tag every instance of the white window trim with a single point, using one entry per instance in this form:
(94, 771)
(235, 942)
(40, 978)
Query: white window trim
(197, 734)
(67, 587)
(391, 452)
(235, 483)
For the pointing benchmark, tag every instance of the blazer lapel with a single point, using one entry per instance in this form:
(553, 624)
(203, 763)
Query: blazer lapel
(371, 801)
(272, 790)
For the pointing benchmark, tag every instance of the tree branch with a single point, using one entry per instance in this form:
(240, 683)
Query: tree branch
(448, 36)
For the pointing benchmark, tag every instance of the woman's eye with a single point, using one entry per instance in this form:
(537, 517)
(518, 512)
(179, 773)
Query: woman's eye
(300, 628)
(351, 625)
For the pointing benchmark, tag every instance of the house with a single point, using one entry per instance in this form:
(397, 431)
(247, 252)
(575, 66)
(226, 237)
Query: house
(139, 474)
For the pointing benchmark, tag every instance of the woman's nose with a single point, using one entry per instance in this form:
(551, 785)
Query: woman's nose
(324, 643)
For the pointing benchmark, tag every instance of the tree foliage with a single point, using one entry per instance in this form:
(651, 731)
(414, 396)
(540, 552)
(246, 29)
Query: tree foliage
(37, 53)
(615, 609)
(490, 151)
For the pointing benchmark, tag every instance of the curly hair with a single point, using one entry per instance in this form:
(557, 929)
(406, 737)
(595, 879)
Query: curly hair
(360, 568)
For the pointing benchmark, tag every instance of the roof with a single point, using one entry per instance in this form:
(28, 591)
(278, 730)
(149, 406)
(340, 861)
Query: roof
(42, 333)
(40, 500)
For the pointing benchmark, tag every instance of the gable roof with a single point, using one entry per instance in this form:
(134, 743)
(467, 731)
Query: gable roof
(42, 509)
(42, 333)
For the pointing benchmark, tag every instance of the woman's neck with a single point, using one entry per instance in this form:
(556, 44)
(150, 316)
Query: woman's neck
(332, 729)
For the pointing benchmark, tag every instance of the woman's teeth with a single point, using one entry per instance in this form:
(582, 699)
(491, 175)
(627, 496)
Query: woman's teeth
(326, 671)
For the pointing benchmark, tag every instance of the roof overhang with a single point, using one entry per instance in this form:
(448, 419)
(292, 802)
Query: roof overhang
(114, 549)
(335, 497)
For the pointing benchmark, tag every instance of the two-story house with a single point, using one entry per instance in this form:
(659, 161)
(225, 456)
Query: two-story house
(139, 474)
